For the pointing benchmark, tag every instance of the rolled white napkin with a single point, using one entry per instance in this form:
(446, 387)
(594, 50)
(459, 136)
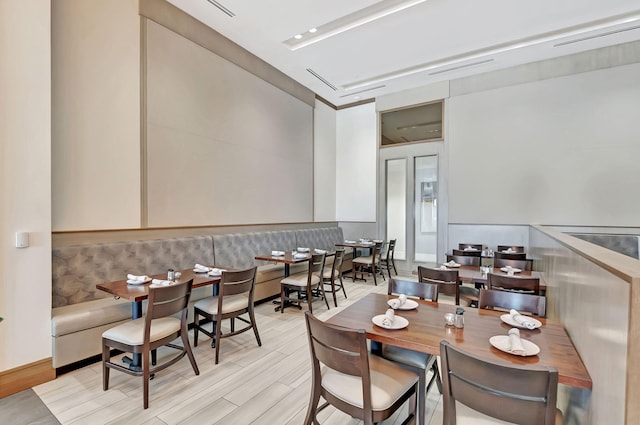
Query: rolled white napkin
(451, 264)
(378, 240)
(443, 267)
(137, 278)
(470, 248)
(398, 302)
(215, 272)
(388, 317)
(348, 241)
(277, 253)
(320, 251)
(303, 249)
(522, 320)
(508, 251)
(201, 268)
(159, 282)
(507, 267)
(300, 255)
(515, 343)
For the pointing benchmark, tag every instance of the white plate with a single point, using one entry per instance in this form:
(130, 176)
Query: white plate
(508, 319)
(501, 342)
(138, 282)
(453, 266)
(512, 269)
(398, 322)
(408, 305)
(201, 270)
(216, 273)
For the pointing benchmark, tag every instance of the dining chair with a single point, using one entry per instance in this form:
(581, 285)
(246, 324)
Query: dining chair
(477, 246)
(387, 261)
(464, 260)
(526, 265)
(513, 256)
(524, 303)
(365, 387)
(304, 285)
(368, 263)
(502, 282)
(415, 361)
(515, 394)
(156, 329)
(464, 253)
(333, 275)
(514, 248)
(447, 281)
(234, 299)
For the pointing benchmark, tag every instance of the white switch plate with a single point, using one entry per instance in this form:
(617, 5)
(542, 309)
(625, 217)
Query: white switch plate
(22, 239)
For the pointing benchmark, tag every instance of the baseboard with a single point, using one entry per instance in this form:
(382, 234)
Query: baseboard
(23, 377)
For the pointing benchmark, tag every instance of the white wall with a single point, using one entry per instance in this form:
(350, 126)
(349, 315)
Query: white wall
(25, 185)
(96, 114)
(356, 154)
(324, 162)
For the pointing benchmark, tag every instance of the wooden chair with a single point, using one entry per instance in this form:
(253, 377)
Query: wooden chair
(447, 281)
(365, 387)
(386, 259)
(156, 329)
(304, 285)
(515, 248)
(415, 361)
(514, 256)
(524, 303)
(516, 394)
(477, 246)
(329, 277)
(368, 263)
(235, 298)
(526, 265)
(464, 260)
(463, 253)
(502, 282)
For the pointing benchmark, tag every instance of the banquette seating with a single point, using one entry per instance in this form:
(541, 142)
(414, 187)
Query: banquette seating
(81, 312)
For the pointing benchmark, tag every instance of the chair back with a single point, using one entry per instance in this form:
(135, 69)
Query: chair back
(514, 248)
(477, 246)
(513, 256)
(501, 282)
(235, 283)
(523, 395)
(391, 249)
(526, 265)
(534, 304)
(168, 300)
(464, 260)
(382, 254)
(336, 268)
(316, 266)
(422, 290)
(463, 253)
(375, 252)
(447, 280)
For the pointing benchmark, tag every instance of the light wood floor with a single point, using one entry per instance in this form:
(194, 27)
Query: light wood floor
(253, 385)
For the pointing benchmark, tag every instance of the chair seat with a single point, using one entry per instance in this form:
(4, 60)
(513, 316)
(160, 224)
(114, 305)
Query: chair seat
(408, 357)
(363, 260)
(231, 303)
(327, 274)
(132, 333)
(388, 383)
(300, 280)
(467, 416)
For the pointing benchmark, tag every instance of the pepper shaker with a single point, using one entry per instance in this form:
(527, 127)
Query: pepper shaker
(459, 319)
(171, 275)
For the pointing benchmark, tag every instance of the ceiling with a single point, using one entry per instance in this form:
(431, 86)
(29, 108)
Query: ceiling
(367, 48)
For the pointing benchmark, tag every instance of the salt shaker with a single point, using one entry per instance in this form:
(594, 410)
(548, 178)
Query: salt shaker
(459, 320)
(170, 274)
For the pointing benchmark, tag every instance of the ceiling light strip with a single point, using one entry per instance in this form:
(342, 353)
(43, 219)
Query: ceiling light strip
(315, 74)
(591, 37)
(222, 8)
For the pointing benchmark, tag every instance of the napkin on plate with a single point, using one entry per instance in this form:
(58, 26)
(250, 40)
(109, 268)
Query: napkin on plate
(470, 248)
(300, 255)
(201, 268)
(522, 320)
(348, 241)
(155, 283)
(451, 264)
(299, 249)
(398, 302)
(388, 317)
(509, 251)
(515, 343)
(443, 267)
(320, 251)
(277, 253)
(136, 278)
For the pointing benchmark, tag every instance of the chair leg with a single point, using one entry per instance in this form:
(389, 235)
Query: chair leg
(323, 295)
(342, 286)
(254, 325)
(282, 301)
(218, 333)
(106, 356)
(373, 272)
(333, 291)
(233, 324)
(421, 394)
(154, 357)
(145, 378)
(310, 299)
(187, 347)
(196, 327)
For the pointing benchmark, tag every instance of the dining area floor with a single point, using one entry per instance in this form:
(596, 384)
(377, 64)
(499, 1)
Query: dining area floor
(251, 385)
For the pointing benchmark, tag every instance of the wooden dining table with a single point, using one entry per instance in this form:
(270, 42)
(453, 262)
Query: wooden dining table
(427, 328)
(474, 274)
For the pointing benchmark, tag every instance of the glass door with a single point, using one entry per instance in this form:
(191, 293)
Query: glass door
(396, 205)
(425, 195)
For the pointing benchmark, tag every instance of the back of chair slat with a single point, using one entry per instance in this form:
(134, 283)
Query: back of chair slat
(422, 290)
(337, 264)
(447, 280)
(514, 248)
(464, 253)
(237, 282)
(167, 300)
(534, 304)
(526, 265)
(503, 282)
(522, 395)
(316, 265)
(513, 256)
(464, 260)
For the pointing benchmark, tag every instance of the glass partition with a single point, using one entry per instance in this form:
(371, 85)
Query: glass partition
(426, 208)
(396, 204)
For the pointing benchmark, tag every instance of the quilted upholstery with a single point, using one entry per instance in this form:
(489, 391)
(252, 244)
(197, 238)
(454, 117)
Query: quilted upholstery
(238, 250)
(321, 238)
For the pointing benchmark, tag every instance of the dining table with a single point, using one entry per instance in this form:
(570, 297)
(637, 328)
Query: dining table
(137, 293)
(426, 328)
(355, 245)
(474, 274)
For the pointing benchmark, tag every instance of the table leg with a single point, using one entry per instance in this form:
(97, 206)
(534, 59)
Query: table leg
(287, 271)
(136, 362)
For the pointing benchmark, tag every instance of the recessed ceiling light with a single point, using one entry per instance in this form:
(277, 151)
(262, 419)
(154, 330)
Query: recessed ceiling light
(312, 30)
(297, 36)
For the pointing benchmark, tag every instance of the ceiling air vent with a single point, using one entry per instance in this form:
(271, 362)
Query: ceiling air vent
(455, 68)
(315, 74)
(591, 37)
(222, 8)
